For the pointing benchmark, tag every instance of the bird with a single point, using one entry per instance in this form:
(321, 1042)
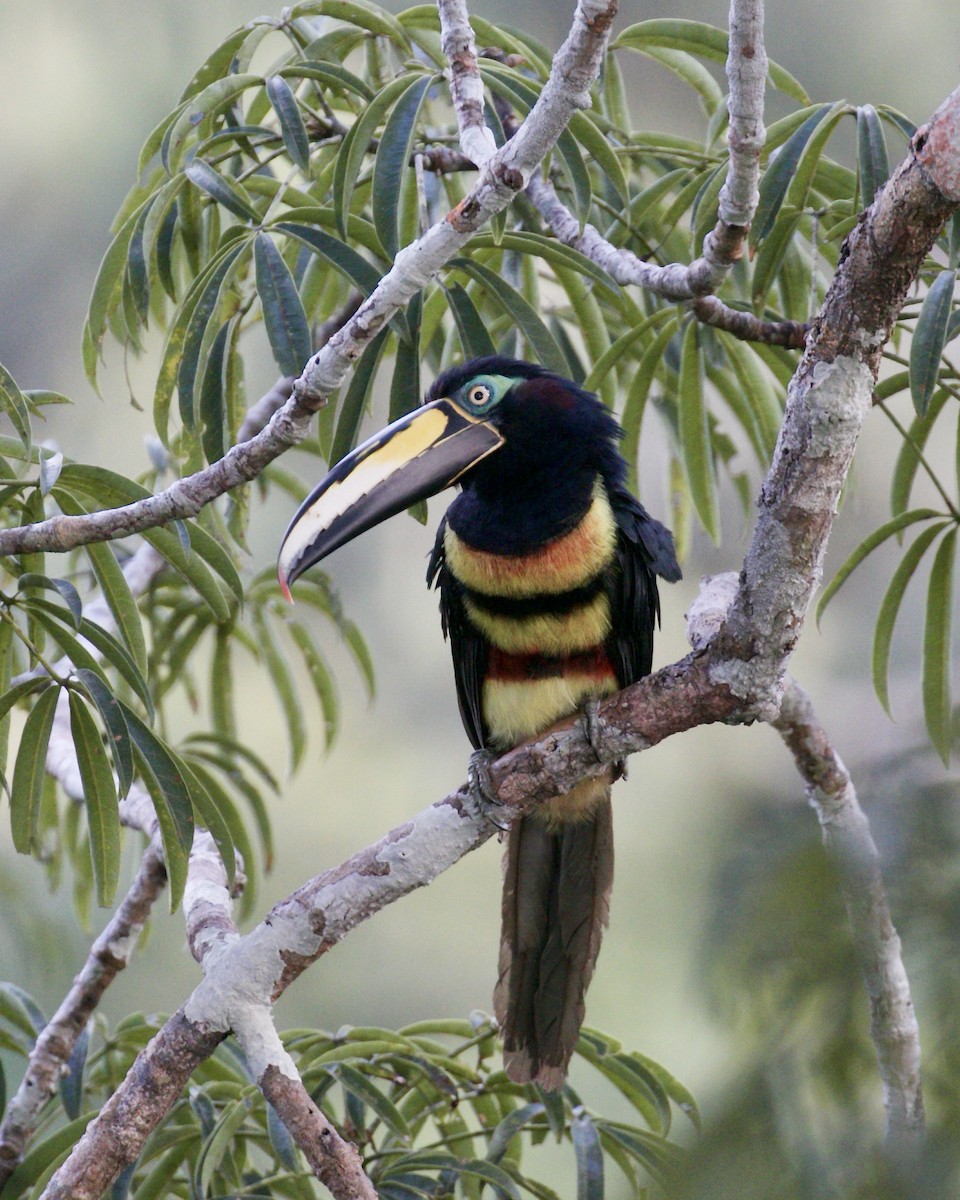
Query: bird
(547, 572)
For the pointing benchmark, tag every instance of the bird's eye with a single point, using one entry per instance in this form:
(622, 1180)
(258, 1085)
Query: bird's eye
(478, 394)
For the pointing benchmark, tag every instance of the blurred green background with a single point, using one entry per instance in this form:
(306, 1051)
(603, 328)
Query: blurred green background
(723, 911)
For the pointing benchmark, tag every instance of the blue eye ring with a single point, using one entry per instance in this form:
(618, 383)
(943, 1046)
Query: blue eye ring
(483, 392)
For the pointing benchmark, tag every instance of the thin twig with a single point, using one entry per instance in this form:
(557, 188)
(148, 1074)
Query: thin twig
(466, 86)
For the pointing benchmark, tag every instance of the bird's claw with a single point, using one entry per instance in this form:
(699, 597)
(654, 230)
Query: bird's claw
(590, 722)
(482, 792)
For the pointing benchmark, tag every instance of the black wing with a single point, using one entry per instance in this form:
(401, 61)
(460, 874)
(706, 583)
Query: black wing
(644, 551)
(467, 646)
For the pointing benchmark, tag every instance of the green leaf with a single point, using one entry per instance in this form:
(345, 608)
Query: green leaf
(695, 434)
(598, 148)
(212, 806)
(908, 460)
(586, 1145)
(405, 383)
(217, 1145)
(105, 289)
(280, 676)
(292, 128)
(636, 400)
(100, 799)
(355, 400)
(890, 607)
(707, 41)
(226, 192)
(553, 252)
(184, 342)
(211, 407)
(118, 734)
(14, 404)
(937, 707)
(475, 340)
(163, 774)
(391, 163)
(201, 105)
(63, 587)
(356, 1082)
(356, 145)
(342, 257)
(283, 315)
(509, 1127)
(929, 338)
(868, 545)
(29, 769)
(871, 153)
(320, 677)
(540, 339)
(365, 16)
(334, 75)
(780, 173)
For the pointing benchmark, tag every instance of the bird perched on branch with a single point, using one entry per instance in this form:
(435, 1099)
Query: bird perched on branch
(547, 571)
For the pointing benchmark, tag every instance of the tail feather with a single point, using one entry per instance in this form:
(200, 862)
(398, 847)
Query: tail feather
(556, 900)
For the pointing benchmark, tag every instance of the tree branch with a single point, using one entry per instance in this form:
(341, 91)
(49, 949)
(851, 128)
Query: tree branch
(847, 837)
(108, 955)
(466, 86)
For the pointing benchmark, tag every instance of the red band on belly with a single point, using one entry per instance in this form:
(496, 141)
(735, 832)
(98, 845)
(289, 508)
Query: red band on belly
(516, 668)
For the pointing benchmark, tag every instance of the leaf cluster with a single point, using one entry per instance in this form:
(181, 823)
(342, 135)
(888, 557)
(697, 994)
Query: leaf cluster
(427, 1106)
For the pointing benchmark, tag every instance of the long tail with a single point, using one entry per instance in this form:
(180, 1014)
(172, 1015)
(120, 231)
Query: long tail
(556, 901)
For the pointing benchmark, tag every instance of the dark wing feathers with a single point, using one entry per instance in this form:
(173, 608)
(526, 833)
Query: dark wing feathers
(644, 551)
(468, 647)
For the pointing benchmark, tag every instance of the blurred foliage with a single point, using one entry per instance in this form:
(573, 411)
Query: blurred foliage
(802, 1119)
(277, 191)
(427, 1106)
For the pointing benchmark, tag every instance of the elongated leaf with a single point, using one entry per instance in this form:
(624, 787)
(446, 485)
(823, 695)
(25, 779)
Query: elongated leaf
(279, 672)
(553, 252)
(292, 128)
(908, 460)
(475, 341)
(212, 400)
(871, 153)
(14, 404)
(201, 105)
(105, 289)
(283, 315)
(211, 806)
(695, 434)
(365, 16)
(63, 587)
(218, 1143)
(166, 769)
(390, 166)
(334, 75)
(29, 770)
(356, 1082)
(355, 400)
(100, 799)
(509, 1127)
(707, 41)
(357, 143)
(119, 735)
(225, 191)
(353, 266)
(890, 607)
(586, 1145)
(937, 707)
(320, 677)
(635, 403)
(25, 687)
(598, 148)
(541, 340)
(929, 338)
(780, 172)
(868, 545)
(405, 384)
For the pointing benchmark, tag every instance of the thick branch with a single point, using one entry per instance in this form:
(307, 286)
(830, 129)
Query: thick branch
(847, 837)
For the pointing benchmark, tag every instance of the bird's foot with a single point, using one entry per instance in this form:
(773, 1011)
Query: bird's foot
(482, 792)
(590, 723)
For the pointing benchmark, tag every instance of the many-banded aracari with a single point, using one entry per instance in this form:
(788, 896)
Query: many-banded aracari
(547, 571)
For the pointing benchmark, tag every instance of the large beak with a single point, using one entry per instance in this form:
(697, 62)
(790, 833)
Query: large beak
(415, 457)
